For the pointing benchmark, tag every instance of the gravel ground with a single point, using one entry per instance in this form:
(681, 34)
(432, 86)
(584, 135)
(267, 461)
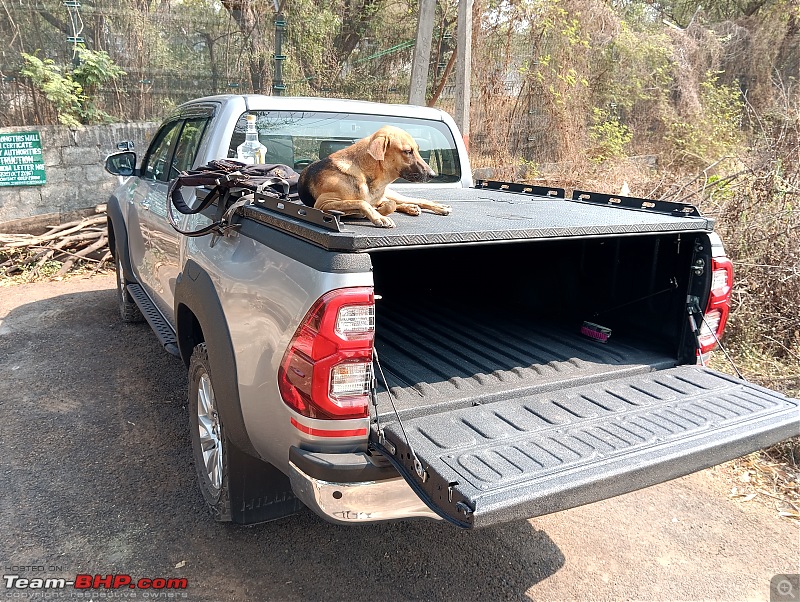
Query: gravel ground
(96, 477)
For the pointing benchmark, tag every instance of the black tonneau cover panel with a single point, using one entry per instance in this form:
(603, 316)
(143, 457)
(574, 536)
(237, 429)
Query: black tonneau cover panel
(482, 215)
(552, 451)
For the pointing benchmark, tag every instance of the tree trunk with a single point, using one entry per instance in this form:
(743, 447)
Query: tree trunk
(254, 21)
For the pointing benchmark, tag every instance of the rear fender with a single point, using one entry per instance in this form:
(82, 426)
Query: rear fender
(195, 293)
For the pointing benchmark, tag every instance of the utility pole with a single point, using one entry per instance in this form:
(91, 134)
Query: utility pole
(463, 67)
(278, 86)
(422, 53)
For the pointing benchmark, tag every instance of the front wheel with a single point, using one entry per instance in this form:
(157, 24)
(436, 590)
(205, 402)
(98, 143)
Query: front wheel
(208, 436)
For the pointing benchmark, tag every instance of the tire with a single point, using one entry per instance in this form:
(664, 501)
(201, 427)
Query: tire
(209, 443)
(128, 310)
(236, 486)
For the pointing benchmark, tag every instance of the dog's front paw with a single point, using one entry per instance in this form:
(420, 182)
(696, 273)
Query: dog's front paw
(384, 222)
(444, 209)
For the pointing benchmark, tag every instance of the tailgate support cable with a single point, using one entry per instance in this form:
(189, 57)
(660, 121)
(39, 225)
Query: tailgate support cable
(418, 468)
(722, 347)
(693, 309)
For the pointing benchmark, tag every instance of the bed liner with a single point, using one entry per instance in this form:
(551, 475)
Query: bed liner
(547, 452)
(501, 417)
(456, 357)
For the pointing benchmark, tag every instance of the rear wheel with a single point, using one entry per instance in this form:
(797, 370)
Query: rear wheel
(208, 436)
(128, 310)
(236, 486)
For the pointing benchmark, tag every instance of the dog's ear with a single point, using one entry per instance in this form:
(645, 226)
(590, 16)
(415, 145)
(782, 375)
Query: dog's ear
(377, 147)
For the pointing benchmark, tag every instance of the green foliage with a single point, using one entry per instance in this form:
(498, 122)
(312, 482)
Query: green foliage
(715, 131)
(95, 68)
(639, 66)
(313, 27)
(64, 93)
(562, 48)
(608, 135)
(72, 93)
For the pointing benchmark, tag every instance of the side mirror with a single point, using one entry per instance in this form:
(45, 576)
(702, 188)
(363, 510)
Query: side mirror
(121, 164)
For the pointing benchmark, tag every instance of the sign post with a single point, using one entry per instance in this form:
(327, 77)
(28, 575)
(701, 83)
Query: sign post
(21, 159)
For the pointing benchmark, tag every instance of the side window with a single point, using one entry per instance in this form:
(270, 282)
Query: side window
(188, 143)
(155, 165)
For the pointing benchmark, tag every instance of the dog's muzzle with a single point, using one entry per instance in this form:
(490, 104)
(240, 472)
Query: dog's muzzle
(418, 174)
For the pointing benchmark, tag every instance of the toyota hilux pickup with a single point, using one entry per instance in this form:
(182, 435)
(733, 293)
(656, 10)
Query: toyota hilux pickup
(528, 353)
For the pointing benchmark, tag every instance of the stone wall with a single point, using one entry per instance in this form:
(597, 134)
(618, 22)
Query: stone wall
(75, 177)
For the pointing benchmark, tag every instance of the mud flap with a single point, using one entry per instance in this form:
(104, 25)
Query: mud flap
(548, 452)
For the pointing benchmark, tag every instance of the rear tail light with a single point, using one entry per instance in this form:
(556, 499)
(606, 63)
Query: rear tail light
(355, 321)
(351, 378)
(716, 314)
(326, 372)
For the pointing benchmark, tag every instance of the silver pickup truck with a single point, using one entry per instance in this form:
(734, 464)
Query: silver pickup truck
(528, 353)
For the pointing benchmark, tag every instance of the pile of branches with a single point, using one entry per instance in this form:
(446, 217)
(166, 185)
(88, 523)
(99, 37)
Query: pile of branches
(72, 245)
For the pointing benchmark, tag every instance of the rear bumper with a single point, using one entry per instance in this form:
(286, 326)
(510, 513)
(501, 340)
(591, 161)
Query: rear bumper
(358, 502)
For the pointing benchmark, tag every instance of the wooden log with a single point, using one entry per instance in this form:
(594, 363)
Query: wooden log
(96, 246)
(83, 225)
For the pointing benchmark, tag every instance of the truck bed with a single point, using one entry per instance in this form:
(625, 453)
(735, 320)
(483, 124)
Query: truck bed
(480, 216)
(452, 358)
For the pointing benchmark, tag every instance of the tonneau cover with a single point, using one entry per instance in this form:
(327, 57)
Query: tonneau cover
(484, 215)
(547, 452)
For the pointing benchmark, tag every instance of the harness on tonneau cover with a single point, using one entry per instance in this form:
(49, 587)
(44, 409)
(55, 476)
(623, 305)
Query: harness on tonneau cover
(229, 182)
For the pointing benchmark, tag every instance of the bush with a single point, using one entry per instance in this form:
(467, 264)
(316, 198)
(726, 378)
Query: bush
(72, 93)
(608, 136)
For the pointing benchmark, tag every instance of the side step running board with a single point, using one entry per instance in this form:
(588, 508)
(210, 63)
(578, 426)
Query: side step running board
(157, 322)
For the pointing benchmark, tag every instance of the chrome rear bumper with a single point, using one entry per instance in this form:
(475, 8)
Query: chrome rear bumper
(352, 503)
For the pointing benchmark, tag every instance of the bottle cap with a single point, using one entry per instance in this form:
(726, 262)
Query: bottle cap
(250, 118)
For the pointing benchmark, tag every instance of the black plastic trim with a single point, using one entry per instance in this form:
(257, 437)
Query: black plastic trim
(541, 191)
(342, 468)
(545, 453)
(200, 109)
(629, 202)
(160, 326)
(296, 211)
(196, 292)
(120, 237)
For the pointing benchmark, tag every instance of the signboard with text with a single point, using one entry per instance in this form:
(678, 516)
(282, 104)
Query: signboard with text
(21, 160)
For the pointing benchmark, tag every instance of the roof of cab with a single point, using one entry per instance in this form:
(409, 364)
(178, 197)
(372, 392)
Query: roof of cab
(259, 102)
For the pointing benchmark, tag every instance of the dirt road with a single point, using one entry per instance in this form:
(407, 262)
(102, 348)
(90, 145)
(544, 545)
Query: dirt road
(96, 478)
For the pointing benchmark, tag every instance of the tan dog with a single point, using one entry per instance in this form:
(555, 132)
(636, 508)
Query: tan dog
(354, 180)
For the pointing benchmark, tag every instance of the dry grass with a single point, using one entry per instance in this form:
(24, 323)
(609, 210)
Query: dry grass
(771, 476)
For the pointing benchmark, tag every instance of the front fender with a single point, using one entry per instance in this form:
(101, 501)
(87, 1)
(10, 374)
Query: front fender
(118, 236)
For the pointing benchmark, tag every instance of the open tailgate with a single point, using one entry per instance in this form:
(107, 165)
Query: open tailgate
(551, 451)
